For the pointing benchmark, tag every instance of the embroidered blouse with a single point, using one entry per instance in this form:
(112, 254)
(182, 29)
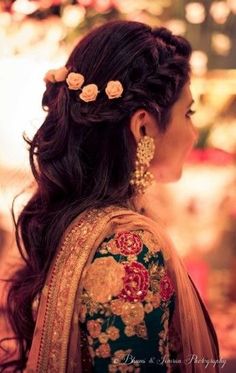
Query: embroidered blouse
(128, 301)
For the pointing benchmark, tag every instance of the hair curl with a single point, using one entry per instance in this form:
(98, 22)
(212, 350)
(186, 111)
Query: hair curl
(83, 154)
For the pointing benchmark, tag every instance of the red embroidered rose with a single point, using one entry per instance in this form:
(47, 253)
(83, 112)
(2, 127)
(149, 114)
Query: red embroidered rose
(166, 288)
(136, 282)
(129, 243)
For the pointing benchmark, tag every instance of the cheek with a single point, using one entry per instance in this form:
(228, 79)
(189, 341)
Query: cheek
(192, 137)
(188, 141)
(175, 145)
(185, 137)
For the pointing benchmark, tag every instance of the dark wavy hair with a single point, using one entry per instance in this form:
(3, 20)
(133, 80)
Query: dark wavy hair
(84, 153)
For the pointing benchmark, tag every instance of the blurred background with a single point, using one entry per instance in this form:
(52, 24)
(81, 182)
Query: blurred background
(200, 209)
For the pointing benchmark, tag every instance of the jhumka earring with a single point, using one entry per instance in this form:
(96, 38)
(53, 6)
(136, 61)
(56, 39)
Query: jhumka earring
(141, 177)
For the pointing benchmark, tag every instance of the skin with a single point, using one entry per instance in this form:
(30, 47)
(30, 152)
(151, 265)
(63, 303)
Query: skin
(172, 147)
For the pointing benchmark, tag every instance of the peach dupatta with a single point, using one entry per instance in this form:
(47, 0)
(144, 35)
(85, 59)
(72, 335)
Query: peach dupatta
(56, 345)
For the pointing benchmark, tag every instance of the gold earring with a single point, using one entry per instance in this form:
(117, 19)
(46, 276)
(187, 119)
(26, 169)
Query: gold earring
(141, 177)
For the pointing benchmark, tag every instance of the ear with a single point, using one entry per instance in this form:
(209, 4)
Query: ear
(142, 123)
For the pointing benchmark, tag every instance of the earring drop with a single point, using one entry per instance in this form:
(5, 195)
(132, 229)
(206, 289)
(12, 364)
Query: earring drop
(141, 177)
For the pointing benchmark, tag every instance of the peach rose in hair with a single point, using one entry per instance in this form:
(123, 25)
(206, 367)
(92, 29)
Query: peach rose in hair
(89, 93)
(75, 81)
(114, 89)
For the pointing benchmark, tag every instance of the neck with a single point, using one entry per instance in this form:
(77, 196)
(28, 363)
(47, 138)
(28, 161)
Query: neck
(147, 203)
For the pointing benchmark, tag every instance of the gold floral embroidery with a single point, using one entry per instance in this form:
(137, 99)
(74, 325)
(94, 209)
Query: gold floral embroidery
(149, 241)
(132, 258)
(103, 338)
(121, 354)
(94, 328)
(103, 248)
(103, 350)
(92, 306)
(141, 330)
(149, 296)
(153, 300)
(147, 257)
(155, 273)
(112, 247)
(113, 333)
(104, 279)
(132, 313)
(129, 330)
(116, 306)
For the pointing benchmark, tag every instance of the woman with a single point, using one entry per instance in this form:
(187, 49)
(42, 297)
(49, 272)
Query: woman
(103, 289)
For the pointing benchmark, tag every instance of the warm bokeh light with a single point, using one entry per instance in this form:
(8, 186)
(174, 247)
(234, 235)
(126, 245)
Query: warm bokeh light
(72, 15)
(195, 12)
(102, 5)
(223, 136)
(199, 62)
(25, 6)
(219, 11)
(177, 26)
(221, 43)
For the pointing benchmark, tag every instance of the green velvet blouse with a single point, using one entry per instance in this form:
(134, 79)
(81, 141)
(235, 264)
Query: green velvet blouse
(128, 301)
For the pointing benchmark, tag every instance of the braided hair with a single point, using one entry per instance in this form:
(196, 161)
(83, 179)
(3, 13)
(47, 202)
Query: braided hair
(83, 154)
